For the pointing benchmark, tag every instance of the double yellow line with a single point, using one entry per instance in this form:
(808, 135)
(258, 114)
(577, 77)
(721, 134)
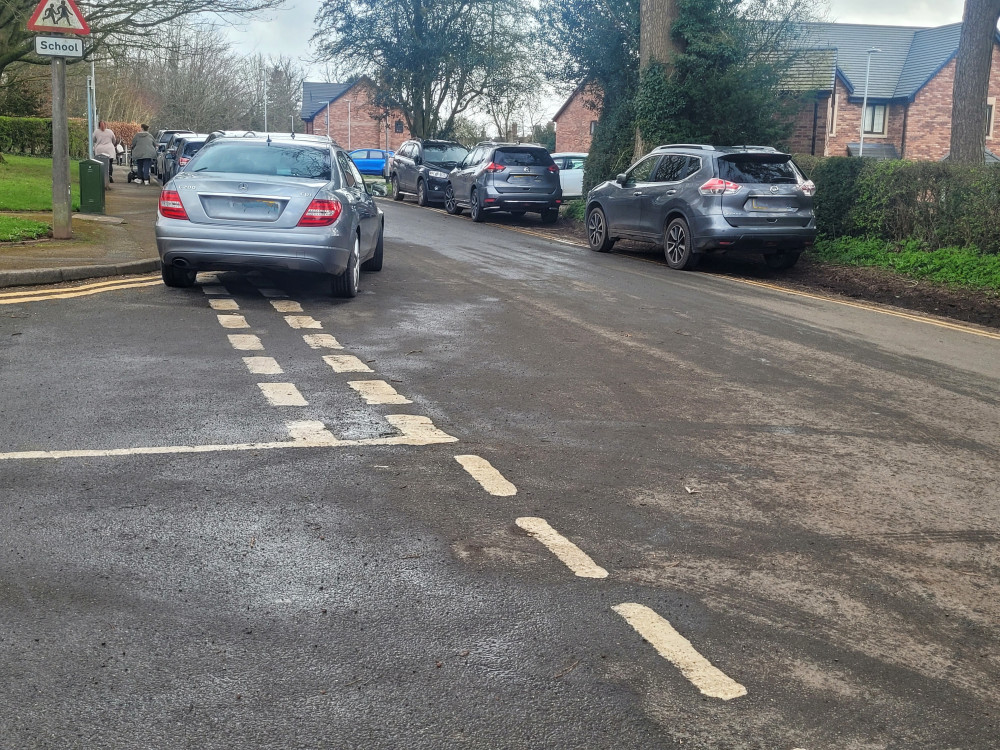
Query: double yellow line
(41, 295)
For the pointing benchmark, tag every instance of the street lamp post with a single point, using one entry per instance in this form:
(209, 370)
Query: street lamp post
(864, 101)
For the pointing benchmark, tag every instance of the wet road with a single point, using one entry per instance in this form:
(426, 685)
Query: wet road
(515, 495)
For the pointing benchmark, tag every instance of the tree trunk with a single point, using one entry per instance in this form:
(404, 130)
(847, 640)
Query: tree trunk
(972, 77)
(656, 18)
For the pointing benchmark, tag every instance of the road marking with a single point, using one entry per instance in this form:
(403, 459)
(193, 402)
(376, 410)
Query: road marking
(413, 431)
(272, 292)
(346, 363)
(321, 341)
(223, 304)
(302, 321)
(286, 305)
(246, 342)
(572, 556)
(263, 365)
(483, 472)
(678, 650)
(16, 298)
(378, 392)
(282, 394)
(233, 321)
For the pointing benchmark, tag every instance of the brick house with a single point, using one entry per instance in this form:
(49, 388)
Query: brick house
(908, 112)
(577, 117)
(345, 112)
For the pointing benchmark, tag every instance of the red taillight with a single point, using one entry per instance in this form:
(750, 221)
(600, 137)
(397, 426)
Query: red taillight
(321, 213)
(718, 186)
(183, 160)
(171, 206)
(807, 187)
(493, 167)
(553, 168)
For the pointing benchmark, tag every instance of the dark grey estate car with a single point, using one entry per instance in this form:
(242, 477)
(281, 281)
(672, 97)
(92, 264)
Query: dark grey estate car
(421, 167)
(696, 199)
(270, 202)
(514, 177)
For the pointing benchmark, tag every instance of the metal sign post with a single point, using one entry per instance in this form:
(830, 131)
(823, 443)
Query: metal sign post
(60, 16)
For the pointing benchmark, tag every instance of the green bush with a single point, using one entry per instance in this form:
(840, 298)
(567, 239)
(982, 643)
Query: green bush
(33, 136)
(575, 209)
(836, 181)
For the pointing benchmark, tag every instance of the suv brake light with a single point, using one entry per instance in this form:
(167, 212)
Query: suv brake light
(553, 168)
(171, 206)
(719, 186)
(321, 213)
(183, 160)
(494, 167)
(808, 187)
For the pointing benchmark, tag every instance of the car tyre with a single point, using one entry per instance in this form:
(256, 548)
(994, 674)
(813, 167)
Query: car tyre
(374, 263)
(450, 204)
(346, 284)
(476, 212)
(397, 194)
(782, 261)
(180, 278)
(677, 247)
(421, 193)
(597, 231)
(550, 216)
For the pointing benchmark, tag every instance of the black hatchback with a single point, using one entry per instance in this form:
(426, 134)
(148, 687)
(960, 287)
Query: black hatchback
(514, 177)
(696, 199)
(421, 167)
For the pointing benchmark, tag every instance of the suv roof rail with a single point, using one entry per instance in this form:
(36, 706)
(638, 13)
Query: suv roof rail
(702, 146)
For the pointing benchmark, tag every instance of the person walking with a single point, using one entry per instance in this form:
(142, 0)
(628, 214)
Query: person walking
(105, 141)
(143, 152)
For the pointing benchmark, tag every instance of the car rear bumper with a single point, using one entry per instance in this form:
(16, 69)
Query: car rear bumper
(711, 233)
(526, 201)
(201, 248)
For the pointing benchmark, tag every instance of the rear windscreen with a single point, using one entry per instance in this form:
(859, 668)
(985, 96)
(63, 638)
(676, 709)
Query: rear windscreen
(522, 157)
(766, 170)
(192, 148)
(263, 159)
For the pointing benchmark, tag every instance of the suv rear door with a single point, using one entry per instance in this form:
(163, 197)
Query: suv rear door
(665, 191)
(772, 196)
(525, 170)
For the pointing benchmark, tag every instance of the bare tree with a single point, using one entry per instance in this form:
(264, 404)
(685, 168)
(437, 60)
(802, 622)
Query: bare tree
(972, 78)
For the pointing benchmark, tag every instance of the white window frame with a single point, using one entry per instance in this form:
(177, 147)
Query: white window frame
(991, 104)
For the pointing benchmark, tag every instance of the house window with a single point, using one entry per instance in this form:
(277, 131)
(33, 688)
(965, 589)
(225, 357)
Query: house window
(875, 119)
(593, 126)
(990, 109)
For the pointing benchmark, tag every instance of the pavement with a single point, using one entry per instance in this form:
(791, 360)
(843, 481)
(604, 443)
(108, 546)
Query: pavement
(117, 243)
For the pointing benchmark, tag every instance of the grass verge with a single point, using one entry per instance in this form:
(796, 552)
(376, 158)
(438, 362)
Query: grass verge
(26, 183)
(958, 266)
(15, 229)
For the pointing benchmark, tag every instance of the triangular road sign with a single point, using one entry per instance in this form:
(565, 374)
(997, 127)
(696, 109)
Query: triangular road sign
(58, 15)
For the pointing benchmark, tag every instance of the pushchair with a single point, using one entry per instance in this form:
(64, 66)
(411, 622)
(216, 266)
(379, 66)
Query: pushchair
(133, 170)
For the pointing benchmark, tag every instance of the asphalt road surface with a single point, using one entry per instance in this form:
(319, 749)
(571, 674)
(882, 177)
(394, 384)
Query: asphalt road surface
(515, 495)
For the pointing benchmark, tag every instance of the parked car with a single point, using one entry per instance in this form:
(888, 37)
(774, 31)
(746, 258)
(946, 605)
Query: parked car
(270, 202)
(370, 160)
(180, 148)
(697, 199)
(571, 173)
(514, 177)
(421, 167)
(162, 138)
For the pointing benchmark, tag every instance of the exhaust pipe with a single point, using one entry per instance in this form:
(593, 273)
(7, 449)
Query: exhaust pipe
(181, 263)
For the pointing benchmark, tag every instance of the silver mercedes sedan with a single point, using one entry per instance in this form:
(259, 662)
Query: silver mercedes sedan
(264, 202)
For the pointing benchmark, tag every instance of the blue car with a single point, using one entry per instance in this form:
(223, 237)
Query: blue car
(370, 160)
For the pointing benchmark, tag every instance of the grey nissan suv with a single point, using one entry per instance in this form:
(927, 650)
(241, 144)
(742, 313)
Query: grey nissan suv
(514, 177)
(697, 199)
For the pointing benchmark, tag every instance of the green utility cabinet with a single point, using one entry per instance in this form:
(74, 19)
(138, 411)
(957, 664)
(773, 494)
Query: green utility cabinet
(92, 186)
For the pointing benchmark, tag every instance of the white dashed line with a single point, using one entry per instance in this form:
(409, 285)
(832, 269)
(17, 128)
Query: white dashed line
(413, 430)
(378, 392)
(246, 342)
(302, 321)
(282, 394)
(484, 473)
(272, 292)
(233, 321)
(321, 341)
(286, 305)
(263, 365)
(678, 650)
(574, 558)
(345, 363)
(223, 304)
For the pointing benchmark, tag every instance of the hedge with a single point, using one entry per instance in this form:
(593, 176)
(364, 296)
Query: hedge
(32, 136)
(935, 204)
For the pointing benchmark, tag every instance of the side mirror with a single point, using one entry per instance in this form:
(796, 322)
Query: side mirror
(621, 179)
(418, 160)
(377, 188)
